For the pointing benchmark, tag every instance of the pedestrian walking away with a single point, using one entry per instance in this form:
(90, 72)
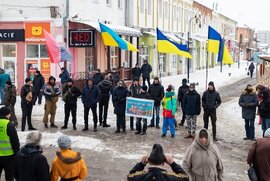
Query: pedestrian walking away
(70, 96)
(249, 101)
(38, 84)
(157, 171)
(51, 92)
(30, 163)
(251, 68)
(210, 102)
(90, 98)
(9, 144)
(146, 70)
(181, 92)
(27, 94)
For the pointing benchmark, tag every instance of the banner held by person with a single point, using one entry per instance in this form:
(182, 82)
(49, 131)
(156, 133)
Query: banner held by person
(140, 108)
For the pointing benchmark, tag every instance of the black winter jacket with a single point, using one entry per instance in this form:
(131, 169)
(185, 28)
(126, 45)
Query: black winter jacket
(72, 93)
(31, 165)
(146, 70)
(210, 100)
(157, 93)
(192, 103)
(182, 91)
(134, 91)
(38, 82)
(90, 95)
(145, 95)
(248, 102)
(98, 78)
(136, 73)
(264, 108)
(106, 89)
(119, 100)
(24, 91)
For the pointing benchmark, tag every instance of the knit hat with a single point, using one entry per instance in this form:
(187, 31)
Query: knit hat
(4, 111)
(144, 88)
(184, 81)
(267, 133)
(64, 142)
(52, 78)
(33, 138)
(203, 134)
(211, 83)
(156, 78)
(37, 71)
(157, 156)
(27, 80)
(170, 88)
(8, 82)
(70, 80)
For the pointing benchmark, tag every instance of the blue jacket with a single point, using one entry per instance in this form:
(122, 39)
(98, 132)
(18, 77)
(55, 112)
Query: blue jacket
(248, 102)
(64, 76)
(47, 91)
(90, 95)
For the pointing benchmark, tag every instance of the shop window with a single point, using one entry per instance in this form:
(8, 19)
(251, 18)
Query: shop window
(43, 51)
(9, 60)
(32, 51)
(114, 58)
(174, 61)
(9, 51)
(144, 54)
(162, 64)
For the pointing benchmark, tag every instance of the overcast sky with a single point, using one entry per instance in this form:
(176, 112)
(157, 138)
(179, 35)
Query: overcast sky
(253, 13)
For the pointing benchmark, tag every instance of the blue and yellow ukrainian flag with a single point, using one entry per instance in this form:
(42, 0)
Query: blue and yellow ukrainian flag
(110, 38)
(165, 45)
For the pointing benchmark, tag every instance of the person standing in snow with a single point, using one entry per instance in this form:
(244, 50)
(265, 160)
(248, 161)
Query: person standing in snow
(181, 92)
(136, 72)
(98, 77)
(64, 76)
(146, 70)
(251, 68)
(38, 84)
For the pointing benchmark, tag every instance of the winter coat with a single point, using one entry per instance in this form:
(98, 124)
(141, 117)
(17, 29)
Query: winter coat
(115, 77)
(64, 76)
(146, 70)
(68, 164)
(157, 174)
(134, 90)
(106, 89)
(248, 102)
(192, 103)
(38, 82)
(136, 73)
(51, 92)
(90, 95)
(3, 79)
(211, 100)
(31, 165)
(169, 105)
(119, 100)
(144, 95)
(203, 162)
(259, 156)
(251, 67)
(182, 91)
(71, 94)
(98, 78)
(157, 93)
(264, 108)
(10, 95)
(24, 91)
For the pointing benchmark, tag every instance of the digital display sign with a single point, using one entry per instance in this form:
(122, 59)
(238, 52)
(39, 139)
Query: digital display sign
(81, 38)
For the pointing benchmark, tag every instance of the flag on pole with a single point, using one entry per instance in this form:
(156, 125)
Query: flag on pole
(110, 38)
(165, 45)
(65, 55)
(52, 46)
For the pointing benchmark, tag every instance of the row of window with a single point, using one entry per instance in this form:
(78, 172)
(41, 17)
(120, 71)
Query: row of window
(119, 4)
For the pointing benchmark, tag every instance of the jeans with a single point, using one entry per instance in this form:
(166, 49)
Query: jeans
(86, 113)
(156, 111)
(265, 124)
(167, 121)
(213, 115)
(139, 124)
(249, 127)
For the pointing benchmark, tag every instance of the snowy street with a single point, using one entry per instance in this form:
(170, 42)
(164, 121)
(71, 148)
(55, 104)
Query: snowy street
(110, 156)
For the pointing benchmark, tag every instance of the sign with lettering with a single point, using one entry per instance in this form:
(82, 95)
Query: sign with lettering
(12, 35)
(34, 32)
(81, 38)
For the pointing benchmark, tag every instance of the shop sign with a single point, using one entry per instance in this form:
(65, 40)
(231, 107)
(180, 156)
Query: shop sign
(12, 35)
(34, 32)
(81, 38)
(45, 68)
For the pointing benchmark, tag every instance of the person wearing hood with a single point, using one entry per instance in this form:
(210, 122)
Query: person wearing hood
(38, 84)
(30, 163)
(192, 108)
(68, 164)
(64, 76)
(258, 156)
(9, 144)
(4, 77)
(251, 68)
(249, 101)
(27, 94)
(119, 99)
(181, 92)
(202, 160)
(98, 77)
(10, 101)
(70, 96)
(169, 110)
(156, 171)
(146, 70)
(106, 89)
(156, 90)
(51, 92)
(210, 102)
(90, 98)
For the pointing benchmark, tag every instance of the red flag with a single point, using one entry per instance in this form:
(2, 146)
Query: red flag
(52, 46)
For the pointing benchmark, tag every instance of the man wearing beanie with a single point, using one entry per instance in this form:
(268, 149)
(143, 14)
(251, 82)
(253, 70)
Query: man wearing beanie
(156, 170)
(10, 101)
(68, 164)
(30, 164)
(181, 92)
(70, 96)
(9, 144)
(38, 84)
(27, 93)
(258, 156)
(51, 92)
(210, 102)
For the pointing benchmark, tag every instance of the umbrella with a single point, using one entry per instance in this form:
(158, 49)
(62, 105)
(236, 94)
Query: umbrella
(65, 55)
(53, 48)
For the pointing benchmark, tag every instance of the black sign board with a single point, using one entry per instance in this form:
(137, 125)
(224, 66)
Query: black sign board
(11, 35)
(81, 38)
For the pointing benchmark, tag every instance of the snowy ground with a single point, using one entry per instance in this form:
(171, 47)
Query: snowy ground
(110, 156)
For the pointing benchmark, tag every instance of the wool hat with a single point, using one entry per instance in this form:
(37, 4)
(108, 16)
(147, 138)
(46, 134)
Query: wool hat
(70, 80)
(8, 82)
(27, 80)
(211, 83)
(203, 134)
(52, 78)
(267, 133)
(157, 156)
(33, 138)
(144, 88)
(156, 78)
(64, 142)
(4, 111)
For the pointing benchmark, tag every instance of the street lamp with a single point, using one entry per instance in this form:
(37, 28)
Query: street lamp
(197, 20)
(227, 28)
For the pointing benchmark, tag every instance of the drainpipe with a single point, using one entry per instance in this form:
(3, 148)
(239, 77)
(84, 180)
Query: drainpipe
(65, 22)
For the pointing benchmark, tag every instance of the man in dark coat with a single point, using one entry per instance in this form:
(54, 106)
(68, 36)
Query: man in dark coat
(10, 100)
(210, 102)
(98, 77)
(106, 89)
(192, 108)
(157, 159)
(156, 90)
(258, 156)
(249, 101)
(64, 76)
(30, 164)
(136, 72)
(119, 98)
(115, 77)
(146, 69)
(70, 95)
(38, 84)
(90, 98)
(264, 109)
(181, 92)
(251, 68)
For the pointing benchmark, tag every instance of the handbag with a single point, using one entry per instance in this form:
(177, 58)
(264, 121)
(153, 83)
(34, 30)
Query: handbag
(252, 173)
(247, 73)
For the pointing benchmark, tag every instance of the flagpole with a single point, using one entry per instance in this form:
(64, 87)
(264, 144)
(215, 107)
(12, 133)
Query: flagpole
(206, 74)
